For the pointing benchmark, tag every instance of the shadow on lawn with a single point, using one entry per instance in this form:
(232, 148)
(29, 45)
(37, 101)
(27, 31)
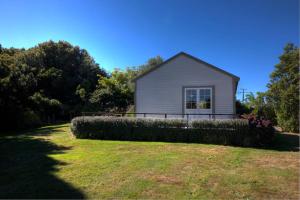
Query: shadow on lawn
(44, 131)
(285, 142)
(26, 170)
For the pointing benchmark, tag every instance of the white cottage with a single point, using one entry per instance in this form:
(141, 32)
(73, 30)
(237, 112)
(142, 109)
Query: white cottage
(184, 84)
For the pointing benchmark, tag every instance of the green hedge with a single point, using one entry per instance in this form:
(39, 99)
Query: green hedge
(227, 132)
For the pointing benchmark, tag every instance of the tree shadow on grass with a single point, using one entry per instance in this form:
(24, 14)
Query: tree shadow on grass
(46, 130)
(26, 170)
(285, 142)
(42, 131)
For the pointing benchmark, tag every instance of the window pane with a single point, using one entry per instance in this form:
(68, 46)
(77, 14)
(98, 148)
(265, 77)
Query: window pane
(191, 95)
(188, 105)
(201, 98)
(191, 99)
(207, 92)
(207, 98)
(191, 105)
(207, 105)
(204, 99)
(207, 102)
(194, 105)
(202, 92)
(202, 105)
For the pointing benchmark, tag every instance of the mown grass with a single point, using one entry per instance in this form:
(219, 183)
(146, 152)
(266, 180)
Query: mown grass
(49, 163)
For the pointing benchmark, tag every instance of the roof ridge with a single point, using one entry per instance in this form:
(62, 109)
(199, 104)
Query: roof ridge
(192, 57)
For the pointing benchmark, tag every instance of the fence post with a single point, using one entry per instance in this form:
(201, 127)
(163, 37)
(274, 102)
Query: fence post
(187, 118)
(144, 114)
(165, 115)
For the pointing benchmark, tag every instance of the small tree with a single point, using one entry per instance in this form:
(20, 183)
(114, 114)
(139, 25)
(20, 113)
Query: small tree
(113, 93)
(261, 106)
(152, 62)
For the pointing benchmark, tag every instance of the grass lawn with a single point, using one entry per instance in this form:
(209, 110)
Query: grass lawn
(49, 163)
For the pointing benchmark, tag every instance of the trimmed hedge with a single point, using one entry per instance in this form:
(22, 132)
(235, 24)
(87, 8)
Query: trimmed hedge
(226, 132)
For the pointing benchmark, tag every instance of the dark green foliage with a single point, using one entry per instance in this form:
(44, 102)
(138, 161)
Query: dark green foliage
(55, 80)
(30, 119)
(45, 82)
(261, 106)
(226, 132)
(113, 93)
(242, 108)
(283, 90)
(263, 128)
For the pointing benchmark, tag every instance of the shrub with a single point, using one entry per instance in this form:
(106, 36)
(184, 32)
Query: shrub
(28, 119)
(263, 128)
(227, 132)
(231, 132)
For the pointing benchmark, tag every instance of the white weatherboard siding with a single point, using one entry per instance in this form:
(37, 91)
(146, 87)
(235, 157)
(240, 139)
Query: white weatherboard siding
(160, 91)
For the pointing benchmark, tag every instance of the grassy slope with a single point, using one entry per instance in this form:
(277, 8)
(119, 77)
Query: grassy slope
(49, 163)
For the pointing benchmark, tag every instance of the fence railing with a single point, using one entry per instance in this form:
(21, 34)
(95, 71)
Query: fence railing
(164, 115)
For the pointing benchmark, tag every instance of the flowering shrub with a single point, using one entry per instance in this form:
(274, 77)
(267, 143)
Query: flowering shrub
(261, 127)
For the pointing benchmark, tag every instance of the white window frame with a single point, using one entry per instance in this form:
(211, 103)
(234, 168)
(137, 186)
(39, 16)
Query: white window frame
(198, 98)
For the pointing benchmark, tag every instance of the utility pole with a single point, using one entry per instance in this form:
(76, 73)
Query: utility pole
(243, 93)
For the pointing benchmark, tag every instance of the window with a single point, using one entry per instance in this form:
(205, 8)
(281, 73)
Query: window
(198, 98)
(191, 98)
(204, 101)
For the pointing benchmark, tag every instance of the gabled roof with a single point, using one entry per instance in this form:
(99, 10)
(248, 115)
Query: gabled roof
(236, 78)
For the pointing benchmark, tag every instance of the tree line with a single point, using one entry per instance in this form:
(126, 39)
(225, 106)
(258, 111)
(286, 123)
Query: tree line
(56, 80)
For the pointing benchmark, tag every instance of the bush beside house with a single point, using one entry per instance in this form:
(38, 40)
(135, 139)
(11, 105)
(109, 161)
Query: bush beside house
(225, 132)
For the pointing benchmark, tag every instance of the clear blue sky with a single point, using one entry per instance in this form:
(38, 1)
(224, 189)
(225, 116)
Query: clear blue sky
(244, 37)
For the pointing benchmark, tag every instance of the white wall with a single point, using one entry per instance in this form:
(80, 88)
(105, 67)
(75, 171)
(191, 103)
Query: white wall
(161, 90)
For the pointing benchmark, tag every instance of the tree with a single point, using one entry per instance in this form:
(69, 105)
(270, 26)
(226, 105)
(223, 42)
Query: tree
(260, 106)
(113, 93)
(46, 108)
(55, 79)
(242, 108)
(283, 88)
(116, 93)
(152, 62)
(50, 79)
(250, 100)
